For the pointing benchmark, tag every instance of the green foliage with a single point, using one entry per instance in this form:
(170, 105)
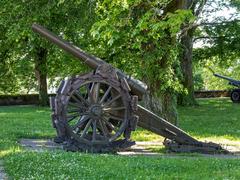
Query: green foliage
(223, 43)
(20, 44)
(210, 82)
(235, 3)
(136, 37)
(198, 81)
(221, 39)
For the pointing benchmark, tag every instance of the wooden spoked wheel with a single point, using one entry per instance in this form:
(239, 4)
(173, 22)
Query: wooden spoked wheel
(96, 110)
(235, 96)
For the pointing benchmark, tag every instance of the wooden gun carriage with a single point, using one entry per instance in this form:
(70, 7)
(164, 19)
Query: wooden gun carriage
(96, 112)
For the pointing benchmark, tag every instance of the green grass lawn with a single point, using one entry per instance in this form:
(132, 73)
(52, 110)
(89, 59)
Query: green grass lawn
(214, 119)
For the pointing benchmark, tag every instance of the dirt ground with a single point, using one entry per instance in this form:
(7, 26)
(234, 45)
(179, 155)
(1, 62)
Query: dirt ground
(149, 148)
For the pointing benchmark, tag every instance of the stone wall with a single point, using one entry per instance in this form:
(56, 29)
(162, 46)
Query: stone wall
(29, 99)
(212, 94)
(25, 99)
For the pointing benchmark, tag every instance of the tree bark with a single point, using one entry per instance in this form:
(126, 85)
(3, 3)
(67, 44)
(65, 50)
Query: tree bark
(163, 105)
(186, 41)
(187, 99)
(41, 75)
(170, 107)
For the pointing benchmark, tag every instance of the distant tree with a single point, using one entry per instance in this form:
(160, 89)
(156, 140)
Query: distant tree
(186, 44)
(25, 53)
(211, 30)
(222, 40)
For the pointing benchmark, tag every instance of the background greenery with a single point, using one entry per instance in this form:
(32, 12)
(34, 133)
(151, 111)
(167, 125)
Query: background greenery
(152, 40)
(157, 36)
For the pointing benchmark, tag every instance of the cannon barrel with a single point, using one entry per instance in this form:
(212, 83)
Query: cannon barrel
(224, 77)
(233, 82)
(137, 87)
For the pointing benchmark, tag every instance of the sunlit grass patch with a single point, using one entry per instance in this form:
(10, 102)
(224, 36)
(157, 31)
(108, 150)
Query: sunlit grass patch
(214, 117)
(144, 135)
(158, 149)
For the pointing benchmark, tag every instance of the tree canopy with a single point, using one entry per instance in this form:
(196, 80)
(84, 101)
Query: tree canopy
(25, 56)
(147, 39)
(134, 35)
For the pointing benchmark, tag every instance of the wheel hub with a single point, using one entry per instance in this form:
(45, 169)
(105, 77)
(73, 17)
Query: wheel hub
(96, 110)
(235, 95)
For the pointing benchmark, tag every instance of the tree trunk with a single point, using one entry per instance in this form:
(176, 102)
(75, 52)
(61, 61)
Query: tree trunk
(41, 75)
(170, 107)
(187, 99)
(163, 105)
(162, 102)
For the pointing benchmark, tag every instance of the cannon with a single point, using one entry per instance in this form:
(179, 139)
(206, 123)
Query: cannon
(97, 111)
(235, 93)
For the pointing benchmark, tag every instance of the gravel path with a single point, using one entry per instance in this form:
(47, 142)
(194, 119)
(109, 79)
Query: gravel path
(141, 148)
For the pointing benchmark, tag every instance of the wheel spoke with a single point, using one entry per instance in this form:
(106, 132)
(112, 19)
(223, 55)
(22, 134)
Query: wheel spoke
(116, 118)
(71, 117)
(110, 125)
(79, 95)
(94, 130)
(114, 108)
(76, 99)
(106, 94)
(72, 110)
(95, 92)
(80, 122)
(74, 105)
(89, 92)
(86, 128)
(103, 128)
(112, 100)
